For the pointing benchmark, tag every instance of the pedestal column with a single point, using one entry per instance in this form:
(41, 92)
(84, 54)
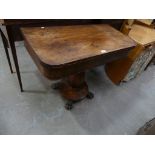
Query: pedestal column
(74, 88)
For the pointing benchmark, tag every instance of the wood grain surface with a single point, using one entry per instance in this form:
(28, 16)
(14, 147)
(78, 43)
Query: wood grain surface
(61, 45)
(64, 50)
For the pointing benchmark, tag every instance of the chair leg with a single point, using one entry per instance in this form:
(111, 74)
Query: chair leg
(5, 44)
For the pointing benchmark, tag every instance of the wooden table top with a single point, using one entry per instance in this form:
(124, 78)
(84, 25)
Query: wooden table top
(142, 34)
(66, 44)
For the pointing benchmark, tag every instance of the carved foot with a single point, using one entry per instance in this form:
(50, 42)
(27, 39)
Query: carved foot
(56, 86)
(90, 95)
(69, 105)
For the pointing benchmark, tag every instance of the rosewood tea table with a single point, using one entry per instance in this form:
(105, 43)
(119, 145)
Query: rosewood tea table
(66, 52)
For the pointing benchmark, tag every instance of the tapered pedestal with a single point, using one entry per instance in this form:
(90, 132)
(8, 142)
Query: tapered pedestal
(74, 88)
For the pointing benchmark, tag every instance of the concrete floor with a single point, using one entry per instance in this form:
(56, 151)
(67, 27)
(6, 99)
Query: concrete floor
(40, 110)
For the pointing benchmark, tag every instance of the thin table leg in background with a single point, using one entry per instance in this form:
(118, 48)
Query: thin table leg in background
(6, 50)
(14, 54)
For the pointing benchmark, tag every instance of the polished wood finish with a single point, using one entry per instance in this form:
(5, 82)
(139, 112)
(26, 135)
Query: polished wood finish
(62, 49)
(65, 52)
(74, 87)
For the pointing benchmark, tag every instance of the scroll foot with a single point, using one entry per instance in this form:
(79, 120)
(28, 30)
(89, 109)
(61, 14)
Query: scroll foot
(69, 105)
(90, 95)
(56, 86)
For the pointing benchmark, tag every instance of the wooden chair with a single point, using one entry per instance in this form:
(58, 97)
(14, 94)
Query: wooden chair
(130, 67)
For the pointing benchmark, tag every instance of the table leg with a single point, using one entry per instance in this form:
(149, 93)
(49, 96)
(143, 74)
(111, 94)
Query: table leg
(14, 54)
(74, 88)
(6, 50)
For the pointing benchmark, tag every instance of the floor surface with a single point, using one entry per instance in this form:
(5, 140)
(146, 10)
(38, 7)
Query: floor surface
(40, 110)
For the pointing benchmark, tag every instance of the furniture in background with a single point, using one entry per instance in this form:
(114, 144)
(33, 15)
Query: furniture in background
(138, 59)
(66, 52)
(5, 44)
(127, 24)
(14, 34)
(152, 62)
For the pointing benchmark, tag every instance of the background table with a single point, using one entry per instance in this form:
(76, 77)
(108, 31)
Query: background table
(13, 31)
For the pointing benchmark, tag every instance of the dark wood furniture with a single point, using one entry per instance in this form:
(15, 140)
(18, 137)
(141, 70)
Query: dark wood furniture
(66, 52)
(5, 44)
(14, 34)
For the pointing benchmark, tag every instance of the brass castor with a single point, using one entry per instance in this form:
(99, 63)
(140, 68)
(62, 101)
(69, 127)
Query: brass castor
(90, 95)
(56, 86)
(69, 105)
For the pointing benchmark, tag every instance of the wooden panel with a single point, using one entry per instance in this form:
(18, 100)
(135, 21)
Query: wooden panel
(66, 44)
(142, 35)
(118, 69)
